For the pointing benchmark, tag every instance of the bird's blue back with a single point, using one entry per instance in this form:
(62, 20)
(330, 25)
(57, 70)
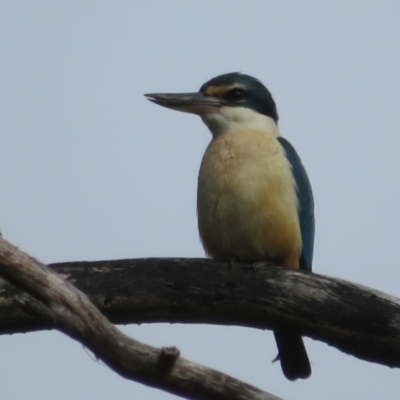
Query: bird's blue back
(306, 204)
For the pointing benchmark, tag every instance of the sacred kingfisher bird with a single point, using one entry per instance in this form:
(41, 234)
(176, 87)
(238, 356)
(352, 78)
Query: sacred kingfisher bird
(254, 198)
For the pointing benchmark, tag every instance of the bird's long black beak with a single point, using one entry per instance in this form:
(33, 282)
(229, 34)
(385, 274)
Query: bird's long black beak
(195, 103)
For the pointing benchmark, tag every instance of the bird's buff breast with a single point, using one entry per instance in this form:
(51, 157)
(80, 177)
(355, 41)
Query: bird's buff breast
(246, 200)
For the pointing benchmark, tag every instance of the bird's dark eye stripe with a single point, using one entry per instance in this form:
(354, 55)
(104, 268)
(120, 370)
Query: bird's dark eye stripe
(236, 94)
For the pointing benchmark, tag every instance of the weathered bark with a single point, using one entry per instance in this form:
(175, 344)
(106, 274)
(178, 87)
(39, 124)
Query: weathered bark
(357, 320)
(66, 308)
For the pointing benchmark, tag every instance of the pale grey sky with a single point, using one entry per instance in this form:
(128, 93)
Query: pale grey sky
(90, 170)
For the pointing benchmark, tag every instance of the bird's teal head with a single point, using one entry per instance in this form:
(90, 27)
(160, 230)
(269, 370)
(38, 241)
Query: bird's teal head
(225, 102)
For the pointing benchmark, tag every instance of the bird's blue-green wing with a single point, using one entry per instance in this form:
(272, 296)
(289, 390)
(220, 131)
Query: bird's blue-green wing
(306, 204)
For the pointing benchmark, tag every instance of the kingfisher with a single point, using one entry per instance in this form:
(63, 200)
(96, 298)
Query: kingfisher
(254, 198)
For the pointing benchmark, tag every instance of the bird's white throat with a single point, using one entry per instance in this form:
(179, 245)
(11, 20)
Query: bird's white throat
(238, 118)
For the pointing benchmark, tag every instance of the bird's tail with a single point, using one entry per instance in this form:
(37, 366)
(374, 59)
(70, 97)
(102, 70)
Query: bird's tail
(292, 355)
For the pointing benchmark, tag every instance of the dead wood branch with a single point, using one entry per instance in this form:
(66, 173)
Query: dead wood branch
(64, 307)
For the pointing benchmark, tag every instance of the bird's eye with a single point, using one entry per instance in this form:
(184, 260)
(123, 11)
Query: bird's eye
(236, 95)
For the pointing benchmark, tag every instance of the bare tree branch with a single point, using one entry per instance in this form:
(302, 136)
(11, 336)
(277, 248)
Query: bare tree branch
(69, 310)
(357, 320)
